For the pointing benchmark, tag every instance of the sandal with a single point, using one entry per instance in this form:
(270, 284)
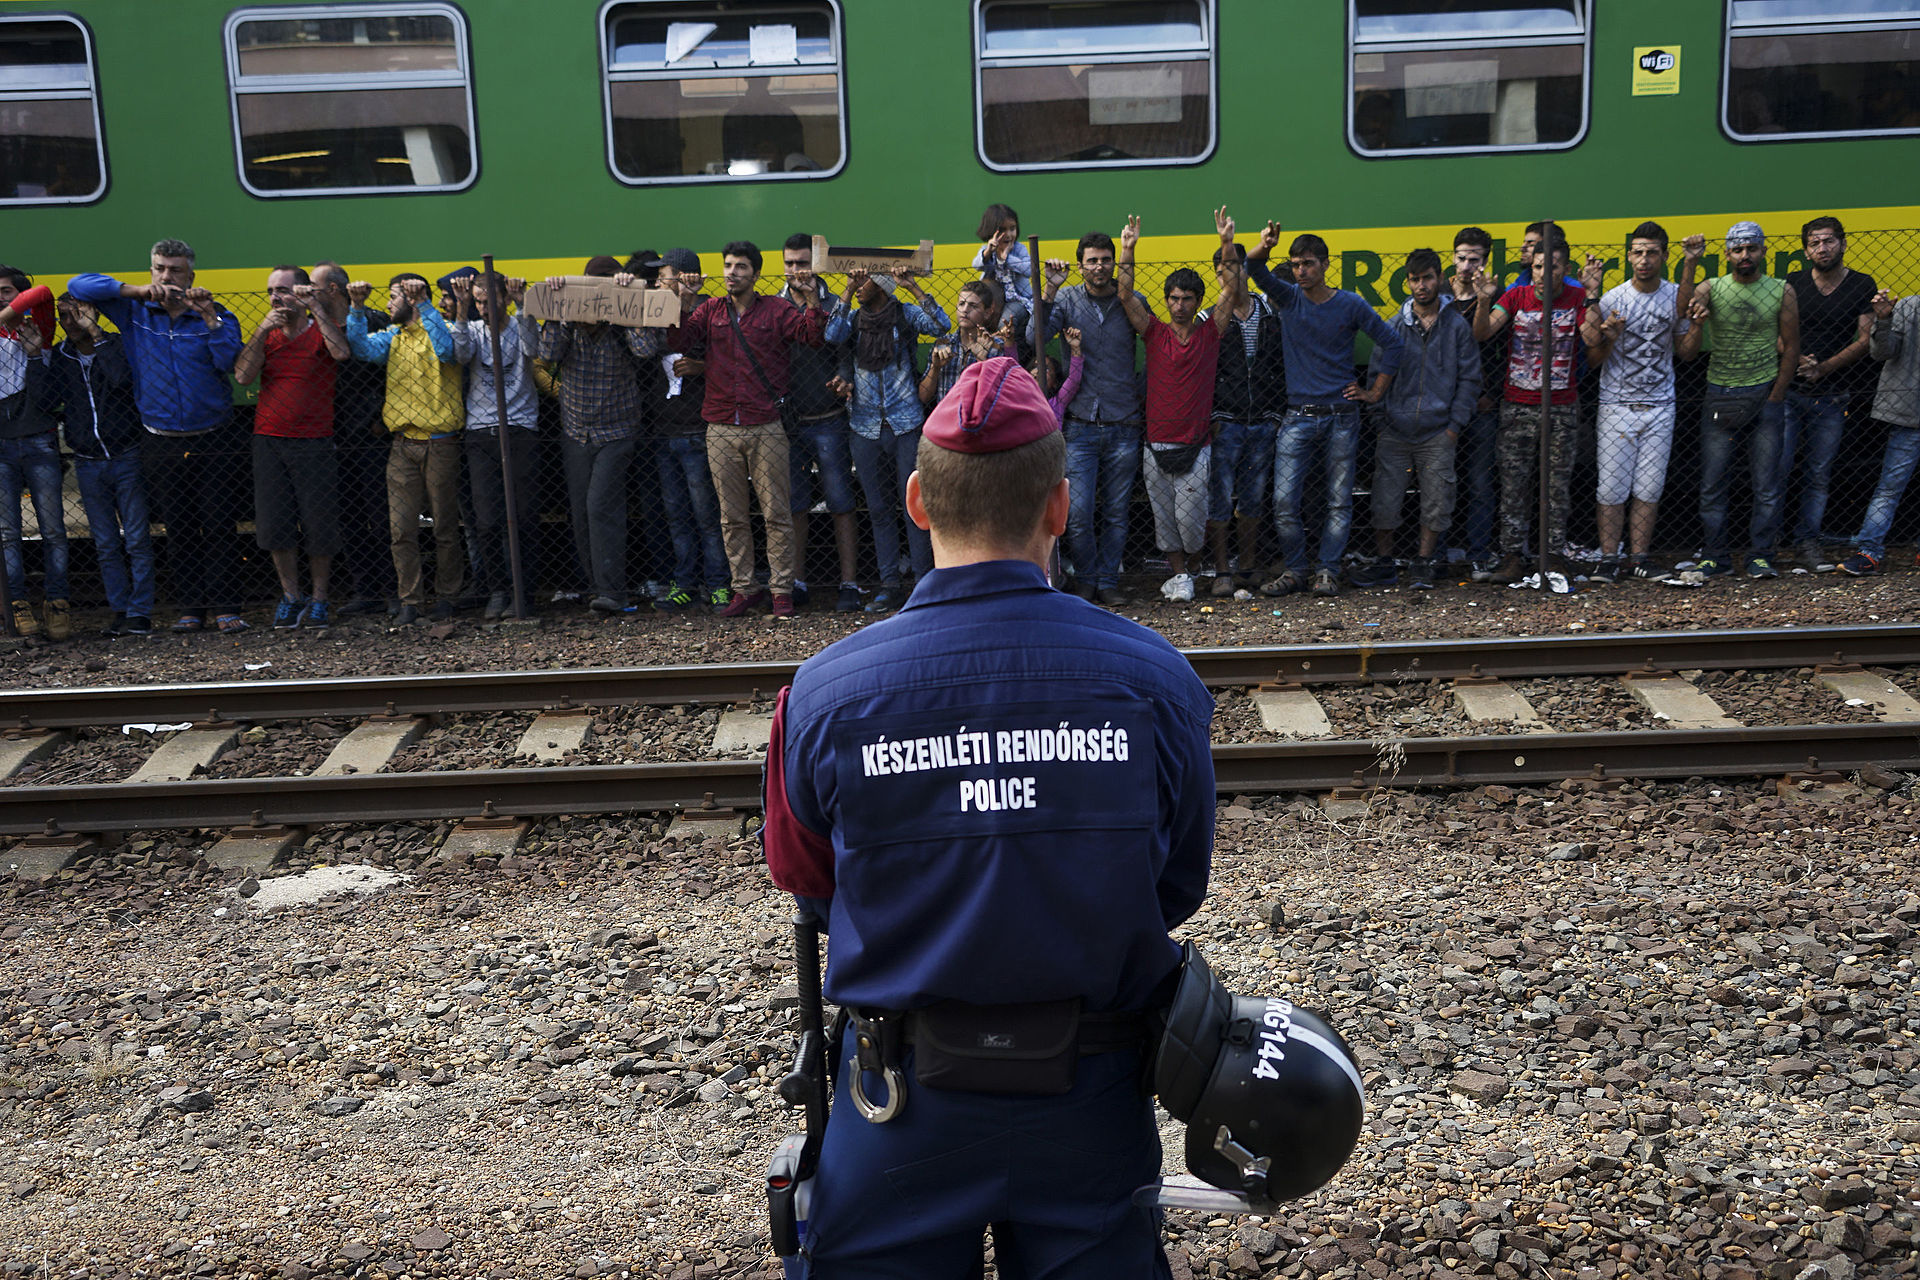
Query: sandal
(231, 622)
(189, 622)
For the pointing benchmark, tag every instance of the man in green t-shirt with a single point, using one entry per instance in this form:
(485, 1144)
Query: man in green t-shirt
(1753, 325)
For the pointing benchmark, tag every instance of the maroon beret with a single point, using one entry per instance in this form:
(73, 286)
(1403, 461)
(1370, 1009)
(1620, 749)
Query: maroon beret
(994, 406)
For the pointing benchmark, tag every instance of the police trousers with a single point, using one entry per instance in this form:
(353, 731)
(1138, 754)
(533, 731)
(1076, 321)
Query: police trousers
(911, 1199)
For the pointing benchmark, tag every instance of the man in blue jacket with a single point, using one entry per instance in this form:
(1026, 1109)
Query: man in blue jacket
(997, 835)
(1430, 403)
(1318, 324)
(182, 345)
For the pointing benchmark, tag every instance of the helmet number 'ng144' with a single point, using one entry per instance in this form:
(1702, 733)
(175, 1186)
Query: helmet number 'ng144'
(1279, 1020)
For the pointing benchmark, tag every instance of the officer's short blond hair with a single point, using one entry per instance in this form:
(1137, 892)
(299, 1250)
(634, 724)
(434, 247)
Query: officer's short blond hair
(990, 497)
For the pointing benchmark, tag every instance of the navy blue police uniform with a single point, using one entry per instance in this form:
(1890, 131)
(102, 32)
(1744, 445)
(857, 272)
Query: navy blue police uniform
(1002, 795)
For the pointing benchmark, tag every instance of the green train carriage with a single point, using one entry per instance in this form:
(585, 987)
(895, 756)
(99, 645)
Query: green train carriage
(420, 133)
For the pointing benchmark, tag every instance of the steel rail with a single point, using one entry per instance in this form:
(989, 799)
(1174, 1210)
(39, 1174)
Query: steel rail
(735, 784)
(461, 693)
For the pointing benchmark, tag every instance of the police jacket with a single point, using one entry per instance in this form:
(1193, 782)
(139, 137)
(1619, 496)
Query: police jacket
(989, 822)
(1438, 383)
(1249, 390)
(181, 368)
(95, 398)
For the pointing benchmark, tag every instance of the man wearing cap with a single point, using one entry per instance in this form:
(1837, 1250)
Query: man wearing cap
(997, 836)
(1753, 323)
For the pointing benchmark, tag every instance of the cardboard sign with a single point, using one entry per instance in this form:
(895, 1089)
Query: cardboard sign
(590, 299)
(842, 259)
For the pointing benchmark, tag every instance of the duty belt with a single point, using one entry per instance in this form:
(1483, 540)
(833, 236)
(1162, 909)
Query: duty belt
(882, 1037)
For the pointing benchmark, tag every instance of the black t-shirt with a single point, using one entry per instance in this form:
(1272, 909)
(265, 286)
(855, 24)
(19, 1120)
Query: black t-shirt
(1828, 322)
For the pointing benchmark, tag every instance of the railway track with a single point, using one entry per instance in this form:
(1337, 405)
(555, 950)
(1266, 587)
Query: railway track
(1517, 746)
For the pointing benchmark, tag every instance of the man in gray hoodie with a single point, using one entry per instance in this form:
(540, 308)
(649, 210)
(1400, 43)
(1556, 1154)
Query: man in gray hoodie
(1430, 402)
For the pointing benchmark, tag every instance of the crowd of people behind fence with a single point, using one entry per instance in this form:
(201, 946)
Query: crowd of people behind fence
(810, 397)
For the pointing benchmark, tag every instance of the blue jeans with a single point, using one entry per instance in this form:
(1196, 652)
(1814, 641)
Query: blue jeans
(115, 497)
(1054, 1175)
(1477, 459)
(1301, 436)
(693, 512)
(1102, 460)
(825, 443)
(883, 466)
(1896, 468)
(1242, 476)
(1726, 415)
(1823, 418)
(31, 465)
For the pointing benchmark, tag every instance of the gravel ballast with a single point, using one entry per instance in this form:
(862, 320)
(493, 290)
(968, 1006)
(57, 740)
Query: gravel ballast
(1651, 1031)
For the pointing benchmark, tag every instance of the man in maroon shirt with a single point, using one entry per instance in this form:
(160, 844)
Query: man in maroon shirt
(1182, 358)
(295, 473)
(744, 339)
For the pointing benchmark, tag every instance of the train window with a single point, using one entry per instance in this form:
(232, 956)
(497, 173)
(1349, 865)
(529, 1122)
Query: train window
(723, 92)
(361, 99)
(1821, 69)
(1111, 83)
(50, 148)
(1433, 77)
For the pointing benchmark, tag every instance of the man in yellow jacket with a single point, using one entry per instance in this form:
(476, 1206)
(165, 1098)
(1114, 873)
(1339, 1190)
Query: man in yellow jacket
(425, 412)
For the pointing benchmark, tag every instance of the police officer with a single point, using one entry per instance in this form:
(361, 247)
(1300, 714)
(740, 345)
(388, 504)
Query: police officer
(999, 802)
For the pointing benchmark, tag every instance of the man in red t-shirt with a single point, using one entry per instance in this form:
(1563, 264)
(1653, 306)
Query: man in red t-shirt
(1182, 357)
(1518, 443)
(296, 478)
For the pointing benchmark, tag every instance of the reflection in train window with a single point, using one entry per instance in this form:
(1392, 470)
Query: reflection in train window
(50, 146)
(1107, 84)
(333, 99)
(1429, 77)
(708, 93)
(1821, 69)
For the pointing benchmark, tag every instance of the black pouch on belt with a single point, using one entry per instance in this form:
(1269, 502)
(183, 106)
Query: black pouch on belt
(996, 1048)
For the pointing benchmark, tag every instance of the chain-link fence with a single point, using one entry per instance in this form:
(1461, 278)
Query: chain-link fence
(378, 482)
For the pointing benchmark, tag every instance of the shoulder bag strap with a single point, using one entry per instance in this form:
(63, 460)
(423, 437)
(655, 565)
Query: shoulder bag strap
(740, 336)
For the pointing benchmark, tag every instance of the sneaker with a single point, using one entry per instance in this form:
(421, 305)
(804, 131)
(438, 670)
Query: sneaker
(137, 625)
(741, 602)
(1510, 571)
(443, 611)
(719, 598)
(318, 616)
(1711, 568)
(1222, 588)
(359, 604)
(1370, 571)
(781, 606)
(848, 601)
(1859, 564)
(1284, 583)
(1423, 574)
(1178, 588)
(59, 620)
(497, 606)
(676, 599)
(1813, 557)
(117, 627)
(1761, 567)
(800, 596)
(286, 614)
(1327, 583)
(606, 604)
(1647, 569)
(1112, 597)
(1083, 589)
(886, 599)
(564, 596)
(1483, 569)
(405, 616)
(24, 623)
(1608, 569)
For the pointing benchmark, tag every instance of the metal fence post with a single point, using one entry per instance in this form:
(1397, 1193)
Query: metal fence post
(496, 317)
(1543, 290)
